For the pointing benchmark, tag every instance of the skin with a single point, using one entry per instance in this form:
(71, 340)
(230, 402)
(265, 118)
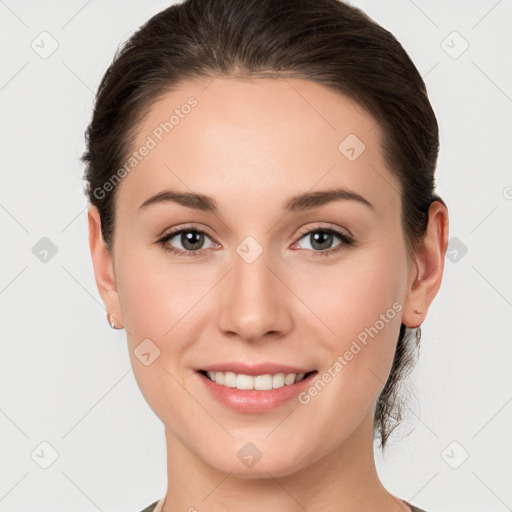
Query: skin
(252, 144)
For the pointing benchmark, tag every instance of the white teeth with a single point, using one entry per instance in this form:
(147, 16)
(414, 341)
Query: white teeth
(289, 379)
(229, 379)
(277, 381)
(244, 381)
(259, 382)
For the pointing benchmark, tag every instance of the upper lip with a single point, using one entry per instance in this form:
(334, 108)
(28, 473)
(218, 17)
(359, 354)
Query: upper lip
(254, 368)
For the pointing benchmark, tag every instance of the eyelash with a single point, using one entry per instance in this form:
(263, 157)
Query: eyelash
(347, 241)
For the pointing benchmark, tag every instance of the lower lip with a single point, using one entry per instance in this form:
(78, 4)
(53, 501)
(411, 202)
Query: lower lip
(252, 400)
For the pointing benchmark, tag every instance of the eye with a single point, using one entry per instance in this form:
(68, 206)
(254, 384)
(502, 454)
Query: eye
(321, 239)
(190, 238)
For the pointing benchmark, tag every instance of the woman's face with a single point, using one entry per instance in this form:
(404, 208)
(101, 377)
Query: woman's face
(257, 289)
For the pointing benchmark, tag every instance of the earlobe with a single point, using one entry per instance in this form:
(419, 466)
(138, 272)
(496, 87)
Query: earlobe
(103, 267)
(427, 273)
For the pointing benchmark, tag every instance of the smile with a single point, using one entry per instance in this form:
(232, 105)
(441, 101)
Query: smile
(263, 382)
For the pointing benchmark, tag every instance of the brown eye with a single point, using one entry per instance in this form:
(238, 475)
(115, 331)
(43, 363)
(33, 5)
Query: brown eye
(321, 240)
(191, 240)
(185, 242)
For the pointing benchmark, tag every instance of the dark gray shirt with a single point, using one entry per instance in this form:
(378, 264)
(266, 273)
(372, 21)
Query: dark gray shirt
(153, 505)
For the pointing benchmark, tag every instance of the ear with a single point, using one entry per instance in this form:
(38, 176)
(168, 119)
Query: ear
(427, 272)
(103, 267)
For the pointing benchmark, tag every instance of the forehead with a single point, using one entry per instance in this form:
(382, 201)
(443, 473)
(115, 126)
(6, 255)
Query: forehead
(265, 137)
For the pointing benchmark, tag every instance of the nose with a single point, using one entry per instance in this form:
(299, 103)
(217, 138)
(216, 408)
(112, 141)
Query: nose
(255, 301)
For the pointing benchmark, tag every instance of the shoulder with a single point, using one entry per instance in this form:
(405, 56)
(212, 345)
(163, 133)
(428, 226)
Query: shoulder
(151, 507)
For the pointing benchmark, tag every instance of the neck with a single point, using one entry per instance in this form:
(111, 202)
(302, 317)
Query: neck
(344, 480)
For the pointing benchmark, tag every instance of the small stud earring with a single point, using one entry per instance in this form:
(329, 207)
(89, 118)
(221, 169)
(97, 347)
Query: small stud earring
(418, 311)
(111, 321)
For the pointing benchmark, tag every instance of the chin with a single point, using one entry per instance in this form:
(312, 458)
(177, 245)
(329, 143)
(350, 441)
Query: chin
(263, 468)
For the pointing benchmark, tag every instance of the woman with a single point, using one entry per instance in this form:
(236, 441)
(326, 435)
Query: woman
(263, 222)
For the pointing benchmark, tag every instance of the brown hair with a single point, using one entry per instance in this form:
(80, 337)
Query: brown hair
(326, 41)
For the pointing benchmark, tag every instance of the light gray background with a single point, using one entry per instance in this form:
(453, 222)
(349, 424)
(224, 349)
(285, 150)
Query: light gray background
(66, 378)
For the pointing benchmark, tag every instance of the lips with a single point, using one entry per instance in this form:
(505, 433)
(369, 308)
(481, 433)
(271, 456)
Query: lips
(254, 369)
(254, 400)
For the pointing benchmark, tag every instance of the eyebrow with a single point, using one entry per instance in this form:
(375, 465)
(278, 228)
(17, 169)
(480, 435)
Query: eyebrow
(301, 202)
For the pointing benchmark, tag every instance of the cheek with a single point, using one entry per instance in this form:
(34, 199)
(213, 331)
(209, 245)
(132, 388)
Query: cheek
(160, 302)
(352, 297)
(361, 303)
(150, 290)
(366, 326)
(156, 320)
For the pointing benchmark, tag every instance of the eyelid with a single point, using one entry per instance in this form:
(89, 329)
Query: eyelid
(185, 227)
(344, 234)
(343, 231)
(164, 238)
